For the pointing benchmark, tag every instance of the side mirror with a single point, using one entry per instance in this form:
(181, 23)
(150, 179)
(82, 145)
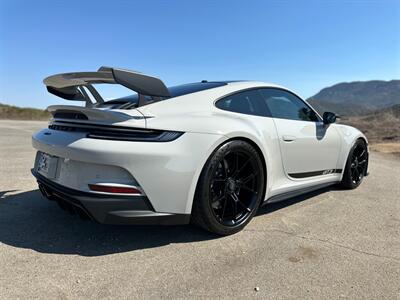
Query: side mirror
(329, 117)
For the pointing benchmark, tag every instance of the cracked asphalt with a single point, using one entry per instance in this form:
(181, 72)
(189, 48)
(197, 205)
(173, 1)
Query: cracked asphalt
(326, 245)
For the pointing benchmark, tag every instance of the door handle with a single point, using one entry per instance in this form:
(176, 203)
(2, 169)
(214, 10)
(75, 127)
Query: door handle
(288, 138)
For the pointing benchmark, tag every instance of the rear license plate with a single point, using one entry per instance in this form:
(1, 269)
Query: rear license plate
(47, 165)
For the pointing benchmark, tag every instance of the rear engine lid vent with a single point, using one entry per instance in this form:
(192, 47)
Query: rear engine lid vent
(69, 115)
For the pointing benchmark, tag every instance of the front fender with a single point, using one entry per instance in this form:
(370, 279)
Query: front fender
(350, 135)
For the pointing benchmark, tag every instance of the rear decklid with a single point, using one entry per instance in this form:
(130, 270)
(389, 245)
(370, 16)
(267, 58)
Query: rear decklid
(78, 114)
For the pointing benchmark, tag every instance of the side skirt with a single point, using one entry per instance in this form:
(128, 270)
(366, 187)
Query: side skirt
(315, 173)
(298, 192)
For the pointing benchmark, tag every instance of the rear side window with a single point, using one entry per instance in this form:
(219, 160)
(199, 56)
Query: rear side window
(247, 102)
(285, 105)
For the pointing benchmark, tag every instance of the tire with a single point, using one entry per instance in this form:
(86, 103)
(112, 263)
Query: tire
(230, 189)
(356, 166)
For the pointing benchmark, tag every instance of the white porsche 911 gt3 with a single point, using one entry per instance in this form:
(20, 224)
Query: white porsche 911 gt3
(209, 153)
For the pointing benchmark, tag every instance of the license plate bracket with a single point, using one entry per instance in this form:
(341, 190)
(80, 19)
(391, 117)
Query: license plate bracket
(46, 164)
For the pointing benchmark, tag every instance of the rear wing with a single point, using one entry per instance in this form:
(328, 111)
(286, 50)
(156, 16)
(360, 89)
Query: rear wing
(75, 86)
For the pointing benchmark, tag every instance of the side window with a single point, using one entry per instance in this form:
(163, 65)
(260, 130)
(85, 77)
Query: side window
(285, 105)
(247, 102)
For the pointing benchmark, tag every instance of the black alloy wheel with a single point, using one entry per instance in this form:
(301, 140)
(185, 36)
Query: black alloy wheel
(234, 188)
(230, 188)
(356, 166)
(358, 163)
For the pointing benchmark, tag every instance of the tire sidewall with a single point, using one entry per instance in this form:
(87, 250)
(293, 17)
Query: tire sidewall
(347, 180)
(203, 190)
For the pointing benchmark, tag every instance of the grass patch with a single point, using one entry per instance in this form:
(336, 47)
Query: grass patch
(22, 113)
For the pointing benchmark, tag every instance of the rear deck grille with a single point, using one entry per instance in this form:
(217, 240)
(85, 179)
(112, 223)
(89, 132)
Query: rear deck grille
(70, 115)
(64, 128)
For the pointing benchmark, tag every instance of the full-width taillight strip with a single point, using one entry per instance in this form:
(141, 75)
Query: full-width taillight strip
(107, 132)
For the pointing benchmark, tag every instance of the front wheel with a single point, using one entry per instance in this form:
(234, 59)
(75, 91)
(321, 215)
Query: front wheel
(356, 165)
(230, 189)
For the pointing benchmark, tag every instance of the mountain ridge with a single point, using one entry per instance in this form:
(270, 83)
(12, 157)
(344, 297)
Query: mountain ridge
(357, 97)
(382, 125)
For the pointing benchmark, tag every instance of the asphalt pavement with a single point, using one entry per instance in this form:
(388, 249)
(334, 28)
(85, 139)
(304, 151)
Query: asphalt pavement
(329, 244)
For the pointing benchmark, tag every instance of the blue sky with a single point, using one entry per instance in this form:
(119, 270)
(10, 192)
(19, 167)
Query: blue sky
(304, 45)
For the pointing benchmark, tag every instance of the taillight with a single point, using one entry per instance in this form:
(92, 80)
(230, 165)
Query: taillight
(115, 189)
(117, 133)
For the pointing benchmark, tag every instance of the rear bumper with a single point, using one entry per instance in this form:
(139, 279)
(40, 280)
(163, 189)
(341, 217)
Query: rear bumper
(167, 171)
(108, 209)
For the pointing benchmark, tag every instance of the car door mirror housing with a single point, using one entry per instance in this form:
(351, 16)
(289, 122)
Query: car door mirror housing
(329, 117)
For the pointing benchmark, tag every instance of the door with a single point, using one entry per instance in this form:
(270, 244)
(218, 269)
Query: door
(308, 147)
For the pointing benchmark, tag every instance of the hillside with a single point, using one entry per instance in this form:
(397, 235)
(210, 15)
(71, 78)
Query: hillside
(371, 106)
(357, 98)
(22, 113)
(379, 126)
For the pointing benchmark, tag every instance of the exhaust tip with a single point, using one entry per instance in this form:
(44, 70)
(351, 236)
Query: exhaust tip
(46, 193)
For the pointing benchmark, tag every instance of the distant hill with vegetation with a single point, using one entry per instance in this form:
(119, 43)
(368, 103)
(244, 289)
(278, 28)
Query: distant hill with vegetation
(382, 125)
(22, 113)
(357, 98)
(371, 106)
